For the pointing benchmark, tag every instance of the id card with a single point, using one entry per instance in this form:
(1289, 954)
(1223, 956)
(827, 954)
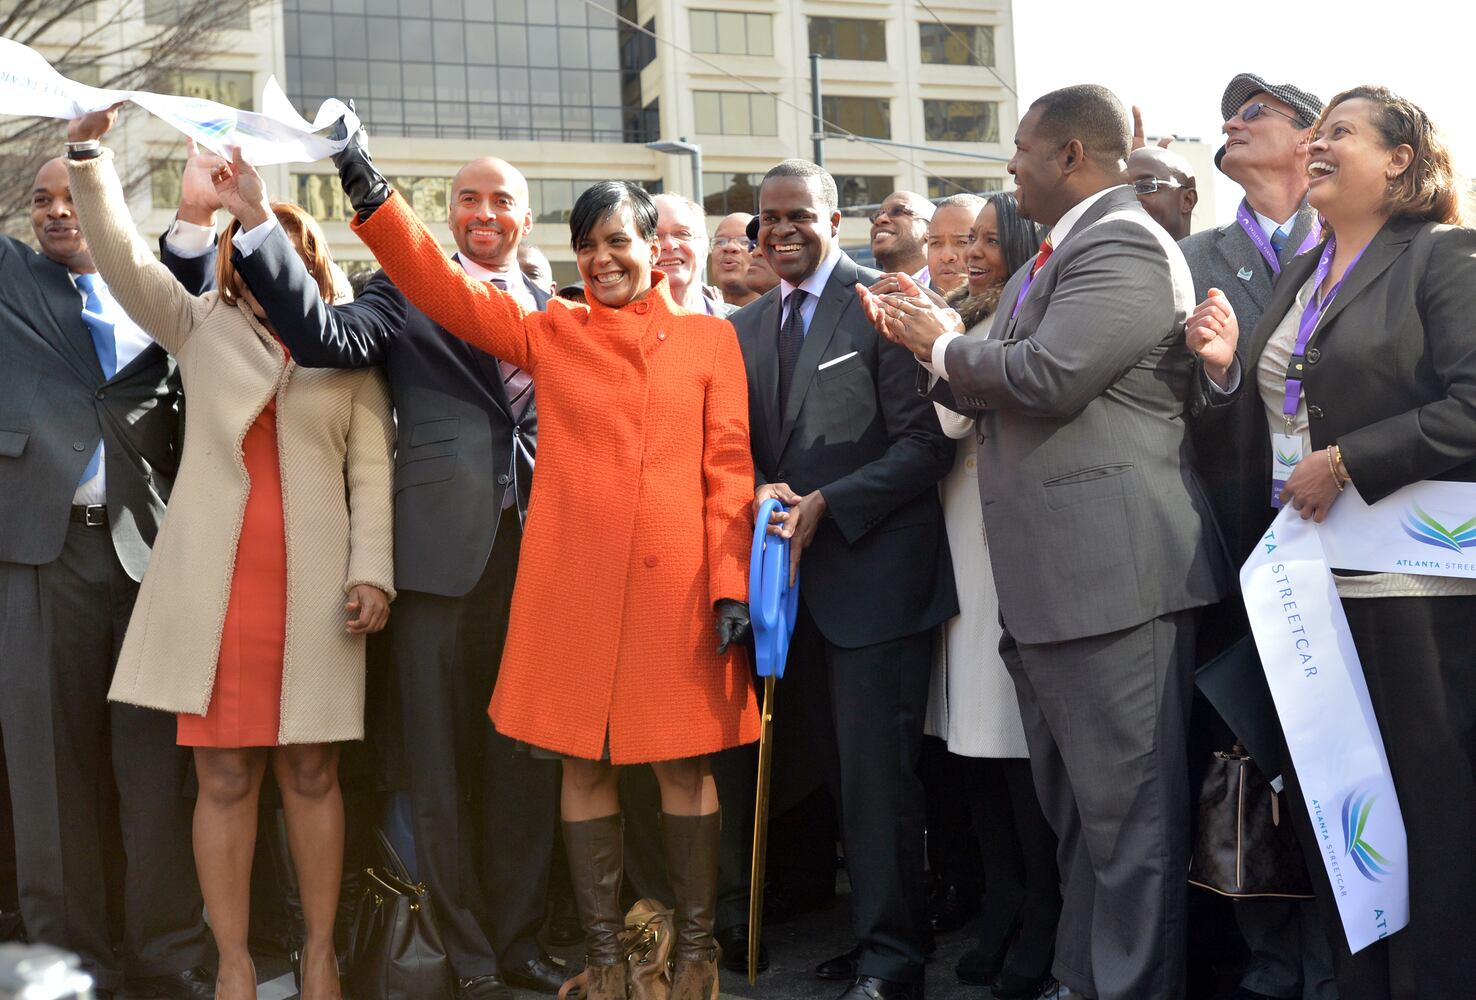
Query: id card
(1286, 452)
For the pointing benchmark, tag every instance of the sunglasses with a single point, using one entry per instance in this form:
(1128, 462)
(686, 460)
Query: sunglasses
(895, 212)
(1256, 110)
(1152, 185)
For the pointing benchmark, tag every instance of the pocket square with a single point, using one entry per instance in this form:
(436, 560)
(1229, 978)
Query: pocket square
(835, 361)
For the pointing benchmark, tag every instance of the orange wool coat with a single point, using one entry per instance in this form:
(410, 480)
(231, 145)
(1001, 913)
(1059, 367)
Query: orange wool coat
(640, 516)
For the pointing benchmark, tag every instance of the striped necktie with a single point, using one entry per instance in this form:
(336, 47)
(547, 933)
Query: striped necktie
(516, 383)
(103, 342)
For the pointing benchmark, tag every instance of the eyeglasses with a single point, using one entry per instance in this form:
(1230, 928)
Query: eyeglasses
(1152, 185)
(741, 242)
(1256, 110)
(895, 212)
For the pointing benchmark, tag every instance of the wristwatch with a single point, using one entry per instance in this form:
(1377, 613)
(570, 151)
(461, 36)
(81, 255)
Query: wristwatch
(88, 149)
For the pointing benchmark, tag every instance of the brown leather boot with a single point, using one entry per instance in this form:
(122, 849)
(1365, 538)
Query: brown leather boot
(596, 864)
(691, 844)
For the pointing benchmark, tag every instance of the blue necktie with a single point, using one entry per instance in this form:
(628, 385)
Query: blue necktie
(103, 342)
(1279, 240)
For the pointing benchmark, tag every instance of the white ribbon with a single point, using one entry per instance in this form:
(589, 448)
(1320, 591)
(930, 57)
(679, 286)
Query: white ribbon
(1317, 681)
(275, 134)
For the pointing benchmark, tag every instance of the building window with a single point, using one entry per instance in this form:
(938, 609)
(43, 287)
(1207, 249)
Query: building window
(722, 112)
(961, 121)
(957, 44)
(849, 38)
(731, 34)
(165, 177)
(860, 194)
(551, 199)
(942, 187)
(171, 12)
(491, 69)
(869, 116)
(222, 86)
(725, 194)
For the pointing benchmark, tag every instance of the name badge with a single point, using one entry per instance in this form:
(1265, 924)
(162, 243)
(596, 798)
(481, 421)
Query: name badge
(1286, 452)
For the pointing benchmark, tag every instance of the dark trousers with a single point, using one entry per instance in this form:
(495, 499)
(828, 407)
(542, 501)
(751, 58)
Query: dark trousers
(483, 815)
(1420, 666)
(70, 752)
(861, 712)
(1105, 719)
(953, 851)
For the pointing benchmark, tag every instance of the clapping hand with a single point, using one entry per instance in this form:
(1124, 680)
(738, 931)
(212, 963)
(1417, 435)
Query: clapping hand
(1212, 333)
(241, 191)
(370, 605)
(910, 316)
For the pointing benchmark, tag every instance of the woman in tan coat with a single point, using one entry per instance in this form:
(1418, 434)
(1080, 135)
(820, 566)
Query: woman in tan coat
(273, 562)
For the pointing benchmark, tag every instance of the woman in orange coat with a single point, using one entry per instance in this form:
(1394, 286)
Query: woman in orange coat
(637, 534)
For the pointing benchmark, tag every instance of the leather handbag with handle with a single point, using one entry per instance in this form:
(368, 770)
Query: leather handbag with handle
(396, 951)
(647, 942)
(1246, 847)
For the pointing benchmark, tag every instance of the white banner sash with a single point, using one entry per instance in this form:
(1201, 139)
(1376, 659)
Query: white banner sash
(275, 134)
(1317, 681)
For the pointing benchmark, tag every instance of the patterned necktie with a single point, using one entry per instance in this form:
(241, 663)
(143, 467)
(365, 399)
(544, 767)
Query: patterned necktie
(1279, 240)
(516, 383)
(791, 339)
(103, 342)
(1041, 257)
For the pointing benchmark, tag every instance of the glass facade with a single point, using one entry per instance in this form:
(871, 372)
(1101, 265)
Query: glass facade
(849, 38)
(961, 121)
(723, 112)
(727, 193)
(732, 34)
(171, 12)
(557, 70)
(942, 187)
(860, 194)
(225, 86)
(552, 199)
(868, 116)
(957, 44)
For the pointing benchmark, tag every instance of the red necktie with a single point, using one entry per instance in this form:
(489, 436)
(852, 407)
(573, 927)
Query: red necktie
(1043, 256)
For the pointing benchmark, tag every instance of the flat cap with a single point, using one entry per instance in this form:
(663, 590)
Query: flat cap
(1247, 85)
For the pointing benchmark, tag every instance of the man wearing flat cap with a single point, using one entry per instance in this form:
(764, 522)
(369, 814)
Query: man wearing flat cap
(1267, 130)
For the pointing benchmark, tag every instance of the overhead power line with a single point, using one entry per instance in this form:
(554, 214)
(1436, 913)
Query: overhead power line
(978, 59)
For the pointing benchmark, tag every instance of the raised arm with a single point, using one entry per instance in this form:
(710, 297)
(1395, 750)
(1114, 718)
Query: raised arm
(187, 247)
(145, 289)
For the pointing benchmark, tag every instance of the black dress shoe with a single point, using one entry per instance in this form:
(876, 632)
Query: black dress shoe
(734, 943)
(482, 988)
(839, 967)
(1013, 986)
(539, 974)
(950, 907)
(873, 988)
(191, 984)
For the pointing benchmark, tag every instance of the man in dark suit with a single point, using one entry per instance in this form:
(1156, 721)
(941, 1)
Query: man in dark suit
(1100, 537)
(482, 814)
(840, 437)
(1267, 130)
(89, 439)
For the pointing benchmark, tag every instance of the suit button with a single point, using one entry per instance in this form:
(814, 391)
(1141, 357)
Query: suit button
(661, 336)
(781, 475)
(1315, 412)
(1313, 356)
(100, 394)
(651, 562)
(970, 462)
(503, 479)
(642, 308)
(78, 446)
(517, 432)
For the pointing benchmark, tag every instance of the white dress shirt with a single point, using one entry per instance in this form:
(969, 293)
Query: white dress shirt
(814, 285)
(129, 340)
(1271, 227)
(1059, 234)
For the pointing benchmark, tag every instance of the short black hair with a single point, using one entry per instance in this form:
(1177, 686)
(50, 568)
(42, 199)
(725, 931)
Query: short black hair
(1091, 114)
(1019, 238)
(806, 170)
(605, 197)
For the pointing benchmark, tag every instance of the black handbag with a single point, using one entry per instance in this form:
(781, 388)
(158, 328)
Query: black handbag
(396, 952)
(1245, 848)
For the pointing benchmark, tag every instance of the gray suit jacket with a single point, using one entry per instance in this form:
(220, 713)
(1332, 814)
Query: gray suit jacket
(1096, 520)
(1226, 436)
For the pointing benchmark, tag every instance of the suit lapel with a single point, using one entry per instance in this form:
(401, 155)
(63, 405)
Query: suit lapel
(765, 361)
(836, 297)
(66, 331)
(141, 360)
(1293, 277)
(1241, 256)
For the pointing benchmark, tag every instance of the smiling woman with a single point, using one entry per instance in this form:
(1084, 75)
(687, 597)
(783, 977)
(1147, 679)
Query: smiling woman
(637, 538)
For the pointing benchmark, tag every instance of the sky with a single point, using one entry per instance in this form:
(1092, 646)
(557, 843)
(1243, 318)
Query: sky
(1174, 59)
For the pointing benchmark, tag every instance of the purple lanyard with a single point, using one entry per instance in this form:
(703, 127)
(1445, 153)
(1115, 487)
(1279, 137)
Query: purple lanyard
(1029, 280)
(1316, 307)
(1258, 237)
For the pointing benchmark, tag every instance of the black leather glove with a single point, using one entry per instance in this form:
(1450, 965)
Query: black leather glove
(362, 182)
(732, 623)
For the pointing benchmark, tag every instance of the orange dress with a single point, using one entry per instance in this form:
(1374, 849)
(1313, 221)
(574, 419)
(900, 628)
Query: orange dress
(246, 703)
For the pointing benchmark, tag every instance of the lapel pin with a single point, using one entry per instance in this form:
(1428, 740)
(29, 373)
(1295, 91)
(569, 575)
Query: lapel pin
(1244, 274)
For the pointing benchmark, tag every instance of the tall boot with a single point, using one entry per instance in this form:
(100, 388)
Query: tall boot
(596, 863)
(692, 845)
